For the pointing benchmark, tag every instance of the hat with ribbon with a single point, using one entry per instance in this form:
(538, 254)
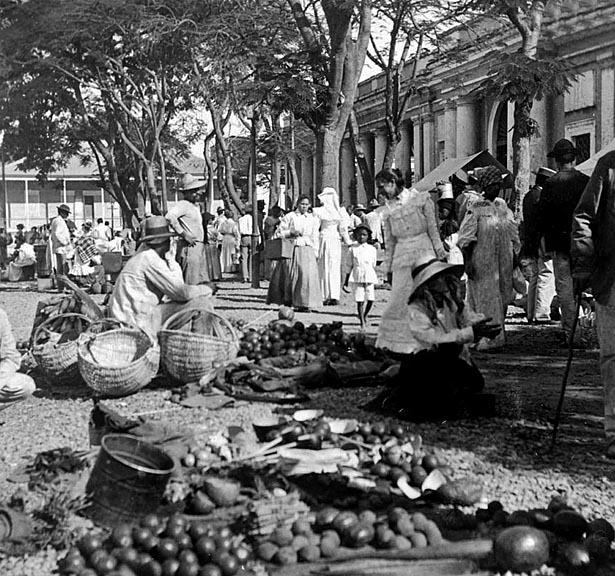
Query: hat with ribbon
(155, 230)
(63, 208)
(487, 176)
(428, 267)
(188, 182)
(563, 146)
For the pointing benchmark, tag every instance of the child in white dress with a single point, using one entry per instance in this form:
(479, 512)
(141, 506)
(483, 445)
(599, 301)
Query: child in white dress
(363, 275)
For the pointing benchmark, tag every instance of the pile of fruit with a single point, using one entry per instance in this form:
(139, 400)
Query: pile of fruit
(175, 547)
(334, 530)
(283, 337)
(556, 534)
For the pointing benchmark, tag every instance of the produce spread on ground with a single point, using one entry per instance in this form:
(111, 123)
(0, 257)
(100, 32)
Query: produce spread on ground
(266, 480)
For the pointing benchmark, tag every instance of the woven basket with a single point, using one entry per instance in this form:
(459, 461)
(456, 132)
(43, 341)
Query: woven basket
(188, 356)
(57, 362)
(117, 362)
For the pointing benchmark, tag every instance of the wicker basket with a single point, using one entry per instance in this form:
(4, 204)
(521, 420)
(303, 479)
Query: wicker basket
(188, 356)
(57, 361)
(117, 362)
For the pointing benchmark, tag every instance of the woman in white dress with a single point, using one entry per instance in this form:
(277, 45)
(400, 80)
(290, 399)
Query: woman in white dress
(228, 233)
(333, 229)
(295, 280)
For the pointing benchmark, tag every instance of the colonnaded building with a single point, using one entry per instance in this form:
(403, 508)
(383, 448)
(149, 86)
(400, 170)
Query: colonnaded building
(447, 119)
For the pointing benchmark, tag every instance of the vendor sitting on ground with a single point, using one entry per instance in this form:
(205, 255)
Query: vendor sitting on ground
(86, 269)
(14, 387)
(150, 287)
(22, 267)
(437, 376)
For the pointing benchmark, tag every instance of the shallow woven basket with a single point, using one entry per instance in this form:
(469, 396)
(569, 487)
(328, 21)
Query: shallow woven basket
(119, 361)
(188, 356)
(58, 362)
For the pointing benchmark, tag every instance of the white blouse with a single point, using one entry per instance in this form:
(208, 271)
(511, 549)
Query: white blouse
(305, 225)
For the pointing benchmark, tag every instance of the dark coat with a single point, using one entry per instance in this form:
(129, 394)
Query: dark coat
(530, 230)
(560, 196)
(593, 229)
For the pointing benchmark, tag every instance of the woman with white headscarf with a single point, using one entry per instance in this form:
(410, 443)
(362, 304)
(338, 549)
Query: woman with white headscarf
(333, 229)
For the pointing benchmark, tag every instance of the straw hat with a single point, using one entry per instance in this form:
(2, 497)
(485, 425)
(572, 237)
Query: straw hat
(188, 182)
(156, 230)
(63, 208)
(428, 268)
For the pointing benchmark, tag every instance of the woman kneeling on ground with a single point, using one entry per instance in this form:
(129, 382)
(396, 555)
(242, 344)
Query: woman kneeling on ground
(437, 376)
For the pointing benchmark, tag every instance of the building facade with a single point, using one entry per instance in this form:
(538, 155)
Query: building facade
(448, 118)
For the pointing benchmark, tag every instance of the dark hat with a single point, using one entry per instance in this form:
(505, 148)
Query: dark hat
(373, 203)
(545, 172)
(63, 208)
(563, 146)
(487, 176)
(156, 230)
(362, 227)
(428, 268)
(447, 203)
(188, 183)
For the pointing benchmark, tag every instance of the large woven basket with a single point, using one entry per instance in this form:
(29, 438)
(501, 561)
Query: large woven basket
(188, 356)
(57, 361)
(119, 361)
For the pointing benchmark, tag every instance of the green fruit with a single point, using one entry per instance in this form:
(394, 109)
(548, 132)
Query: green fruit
(367, 517)
(282, 537)
(402, 543)
(601, 527)
(301, 527)
(569, 524)
(331, 535)
(328, 547)
(430, 462)
(299, 542)
(418, 540)
(417, 476)
(325, 517)
(598, 547)
(266, 551)
(344, 521)
(521, 549)
(360, 535)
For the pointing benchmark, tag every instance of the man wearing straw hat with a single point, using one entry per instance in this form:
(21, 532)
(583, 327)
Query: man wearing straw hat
(185, 218)
(151, 275)
(14, 387)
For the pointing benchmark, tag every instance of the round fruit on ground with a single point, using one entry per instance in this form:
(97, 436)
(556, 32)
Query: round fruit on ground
(328, 547)
(183, 541)
(365, 429)
(367, 517)
(205, 548)
(72, 564)
(285, 556)
(418, 540)
(542, 518)
(166, 548)
(266, 551)
(344, 521)
(198, 530)
(602, 527)
(520, 518)
(381, 470)
(402, 543)
(325, 517)
(569, 524)
(170, 567)
(430, 462)
(397, 513)
(210, 570)
(418, 475)
(404, 527)
(333, 535)
(521, 549)
(89, 544)
(396, 473)
(281, 536)
(360, 535)
(126, 556)
(227, 562)
(309, 553)
(121, 536)
(188, 569)
(574, 559)
(188, 556)
(598, 547)
(103, 563)
(379, 428)
(398, 430)
(299, 541)
(301, 526)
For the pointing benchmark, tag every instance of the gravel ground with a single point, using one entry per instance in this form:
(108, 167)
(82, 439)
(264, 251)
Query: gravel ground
(509, 452)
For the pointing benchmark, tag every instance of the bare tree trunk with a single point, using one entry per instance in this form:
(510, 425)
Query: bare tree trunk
(276, 173)
(226, 198)
(163, 178)
(521, 143)
(328, 143)
(367, 177)
(295, 178)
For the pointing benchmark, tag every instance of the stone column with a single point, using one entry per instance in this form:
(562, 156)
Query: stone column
(347, 172)
(428, 144)
(467, 137)
(450, 130)
(417, 149)
(380, 147)
(403, 152)
(607, 106)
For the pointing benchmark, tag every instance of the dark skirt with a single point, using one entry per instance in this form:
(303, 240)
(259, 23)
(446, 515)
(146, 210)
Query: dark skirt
(295, 281)
(431, 385)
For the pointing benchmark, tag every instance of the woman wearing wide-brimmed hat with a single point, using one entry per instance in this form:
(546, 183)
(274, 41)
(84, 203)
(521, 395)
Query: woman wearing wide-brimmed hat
(489, 240)
(438, 372)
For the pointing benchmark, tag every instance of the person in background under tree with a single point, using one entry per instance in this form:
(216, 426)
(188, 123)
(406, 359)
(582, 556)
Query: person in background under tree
(20, 236)
(537, 267)
(151, 275)
(5, 240)
(185, 218)
(593, 265)
(59, 248)
(244, 223)
(559, 198)
(14, 386)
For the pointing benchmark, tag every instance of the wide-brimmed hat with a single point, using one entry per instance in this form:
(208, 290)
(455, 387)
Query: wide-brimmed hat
(563, 146)
(155, 230)
(373, 203)
(428, 268)
(63, 208)
(188, 182)
(545, 172)
(359, 208)
(327, 191)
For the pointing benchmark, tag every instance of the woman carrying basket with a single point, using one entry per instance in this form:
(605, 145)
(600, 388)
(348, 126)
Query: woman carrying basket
(150, 276)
